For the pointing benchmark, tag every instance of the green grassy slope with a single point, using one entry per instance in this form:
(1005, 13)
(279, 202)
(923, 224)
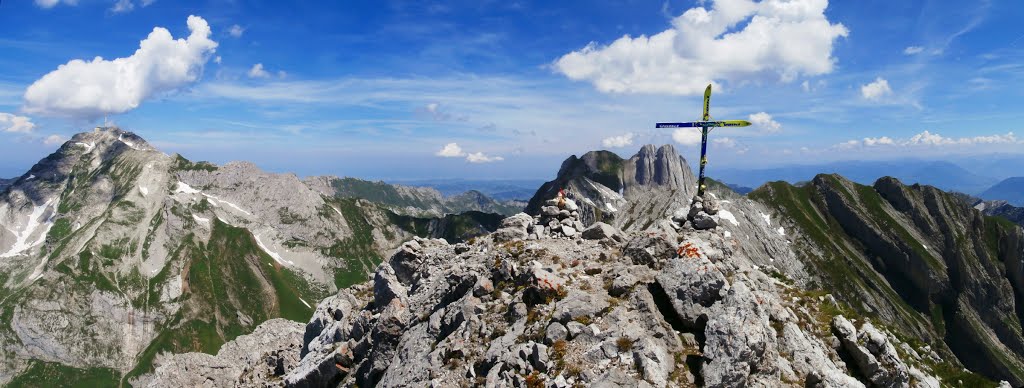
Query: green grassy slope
(859, 244)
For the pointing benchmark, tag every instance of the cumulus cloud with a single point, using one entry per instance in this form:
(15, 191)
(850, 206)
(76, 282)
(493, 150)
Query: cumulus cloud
(873, 141)
(618, 141)
(765, 121)
(13, 123)
(52, 3)
(53, 139)
(480, 157)
(122, 6)
(686, 136)
(236, 31)
(217, 59)
(876, 90)
(88, 90)
(912, 50)
(929, 139)
(257, 71)
(451, 150)
(734, 41)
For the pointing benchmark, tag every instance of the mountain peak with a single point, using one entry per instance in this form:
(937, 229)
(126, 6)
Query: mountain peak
(107, 137)
(662, 167)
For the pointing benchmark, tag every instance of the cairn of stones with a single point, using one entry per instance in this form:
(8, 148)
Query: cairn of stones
(701, 215)
(558, 221)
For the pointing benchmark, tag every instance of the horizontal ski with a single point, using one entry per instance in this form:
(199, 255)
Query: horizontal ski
(700, 124)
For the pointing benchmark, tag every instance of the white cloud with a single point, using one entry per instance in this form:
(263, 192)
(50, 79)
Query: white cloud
(764, 120)
(52, 3)
(929, 139)
(257, 71)
(53, 139)
(217, 59)
(726, 142)
(873, 141)
(146, 3)
(91, 89)
(12, 123)
(912, 50)
(451, 150)
(713, 45)
(122, 6)
(236, 31)
(618, 141)
(480, 157)
(281, 74)
(876, 90)
(686, 136)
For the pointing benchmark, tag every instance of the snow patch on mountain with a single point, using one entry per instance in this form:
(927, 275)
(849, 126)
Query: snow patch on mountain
(185, 188)
(120, 138)
(231, 205)
(38, 218)
(727, 215)
(276, 256)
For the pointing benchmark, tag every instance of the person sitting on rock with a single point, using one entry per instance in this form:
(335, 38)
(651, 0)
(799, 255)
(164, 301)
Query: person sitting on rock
(561, 198)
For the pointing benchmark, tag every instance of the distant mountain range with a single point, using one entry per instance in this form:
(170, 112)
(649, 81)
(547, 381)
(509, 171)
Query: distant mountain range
(1010, 190)
(412, 200)
(4, 183)
(942, 174)
(499, 189)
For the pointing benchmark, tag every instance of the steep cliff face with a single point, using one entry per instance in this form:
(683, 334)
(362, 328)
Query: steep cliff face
(630, 193)
(112, 252)
(918, 258)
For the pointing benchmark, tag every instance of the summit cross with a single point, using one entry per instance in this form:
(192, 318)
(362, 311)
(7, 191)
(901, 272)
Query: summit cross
(705, 125)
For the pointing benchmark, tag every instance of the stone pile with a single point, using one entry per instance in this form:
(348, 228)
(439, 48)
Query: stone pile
(554, 221)
(701, 215)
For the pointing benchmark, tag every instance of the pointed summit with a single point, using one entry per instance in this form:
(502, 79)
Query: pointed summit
(603, 182)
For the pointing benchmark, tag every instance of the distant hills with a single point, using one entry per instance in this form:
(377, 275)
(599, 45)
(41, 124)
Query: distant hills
(942, 174)
(1010, 190)
(4, 183)
(499, 189)
(414, 201)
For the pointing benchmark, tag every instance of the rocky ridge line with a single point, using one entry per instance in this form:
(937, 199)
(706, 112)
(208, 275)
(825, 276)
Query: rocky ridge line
(601, 308)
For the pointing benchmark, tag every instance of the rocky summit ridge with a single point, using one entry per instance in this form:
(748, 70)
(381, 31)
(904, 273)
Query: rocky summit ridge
(598, 308)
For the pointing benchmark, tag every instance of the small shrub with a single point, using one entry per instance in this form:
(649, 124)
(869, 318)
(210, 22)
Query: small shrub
(535, 380)
(624, 344)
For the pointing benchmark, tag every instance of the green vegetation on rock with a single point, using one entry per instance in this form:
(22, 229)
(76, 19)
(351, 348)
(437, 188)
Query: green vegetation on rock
(50, 374)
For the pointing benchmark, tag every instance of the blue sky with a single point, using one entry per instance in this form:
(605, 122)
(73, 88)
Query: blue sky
(381, 89)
